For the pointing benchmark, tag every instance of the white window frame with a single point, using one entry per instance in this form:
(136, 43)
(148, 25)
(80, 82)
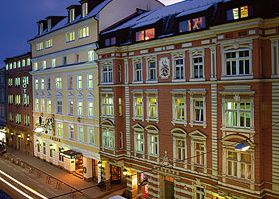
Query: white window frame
(193, 55)
(79, 87)
(178, 95)
(49, 100)
(83, 32)
(36, 84)
(58, 84)
(58, 123)
(91, 56)
(88, 81)
(179, 135)
(176, 56)
(56, 104)
(42, 84)
(107, 75)
(148, 69)
(70, 132)
(88, 129)
(199, 96)
(152, 94)
(79, 138)
(135, 105)
(90, 100)
(80, 111)
(112, 136)
(36, 103)
(135, 70)
(53, 62)
(110, 96)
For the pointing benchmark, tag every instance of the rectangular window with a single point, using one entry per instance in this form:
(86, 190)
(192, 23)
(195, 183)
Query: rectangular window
(25, 99)
(180, 149)
(79, 82)
(108, 139)
(35, 65)
(59, 106)
(71, 15)
(200, 193)
(77, 58)
(71, 107)
(198, 66)
(11, 66)
(49, 105)
(89, 81)
(90, 109)
(120, 106)
(64, 60)
(110, 41)
(237, 63)
(48, 83)
(238, 114)
(80, 134)
(107, 73)
(138, 109)
(10, 99)
(44, 64)
(152, 70)
(239, 13)
(28, 61)
(49, 43)
(80, 108)
(17, 100)
(107, 106)
(40, 46)
(58, 83)
(70, 36)
(139, 139)
(60, 129)
(145, 34)
(36, 104)
(198, 110)
(138, 72)
(11, 117)
(10, 82)
(18, 64)
(153, 145)
(239, 164)
(43, 104)
(41, 28)
(42, 84)
(18, 118)
(84, 9)
(152, 108)
(14, 65)
(179, 109)
(91, 136)
(179, 69)
(27, 120)
(192, 24)
(199, 150)
(70, 82)
(48, 24)
(84, 32)
(23, 63)
(91, 55)
(71, 128)
(53, 62)
(17, 81)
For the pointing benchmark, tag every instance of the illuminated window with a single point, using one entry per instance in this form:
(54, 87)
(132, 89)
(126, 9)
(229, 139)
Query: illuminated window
(107, 73)
(23, 62)
(35, 65)
(71, 107)
(239, 164)
(138, 107)
(41, 28)
(25, 99)
(43, 105)
(179, 109)
(14, 65)
(108, 139)
(110, 41)
(60, 129)
(11, 66)
(91, 136)
(18, 118)
(145, 34)
(91, 55)
(80, 108)
(44, 64)
(137, 72)
(80, 134)
(83, 32)
(71, 15)
(153, 143)
(18, 64)
(40, 46)
(17, 100)
(17, 81)
(49, 43)
(239, 13)
(139, 142)
(238, 114)
(36, 84)
(49, 105)
(71, 129)
(28, 62)
(36, 104)
(10, 99)
(90, 109)
(42, 84)
(152, 107)
(48, 24)
(107, 106)
(90, 81)
(84, 9)
(192, 24)
(53, 62)
(10, 82)
(58, 83)
(79, 82)
(70, 36)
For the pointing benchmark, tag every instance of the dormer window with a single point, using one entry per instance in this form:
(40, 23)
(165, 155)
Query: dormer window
(145, 34)
(192, 24)
(72, 15)
(84, 9)
(48, 24)
(239, 13)
(110, 41)
(41, 28)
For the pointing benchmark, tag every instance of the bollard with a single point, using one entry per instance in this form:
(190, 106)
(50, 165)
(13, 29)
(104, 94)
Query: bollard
(31, 170)
(22, 164)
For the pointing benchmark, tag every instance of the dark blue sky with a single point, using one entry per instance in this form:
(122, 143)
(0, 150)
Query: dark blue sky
(18, 22)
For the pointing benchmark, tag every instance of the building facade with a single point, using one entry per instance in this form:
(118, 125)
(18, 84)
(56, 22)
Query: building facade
(19, 103)
(3, 120)
(65, 79)
(182, 89)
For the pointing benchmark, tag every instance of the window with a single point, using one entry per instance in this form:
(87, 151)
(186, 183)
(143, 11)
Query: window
(42, 84)
(110, 41)
(35, 65)
(49, 43)
(197, 107)
(64, 60)
(58, 83)
(91, 55)
(90, 109)
(199, 193)
(48, 24)
(84, 9)
(53, 62)
(198, 110)
(137, 72)
(77, 58)
(44, 64)
(90, 81)
(23, 63)
(239, 164)
(10, 82)
(70, 36)
(7, 66)
(197, 65)
(145, 34)
(239, 13)
(107, 106)
(11, 117)
(49, 105)
(84, 32)
(41, 29)
(17, 100)
(108, 139)
(71, 15)
(10, 99)
(61, 157)
(139, 142)
(26, 120)
(237, 63)
(180, 153)
(91, 136)
(36, 104)
(18, 118)
(59, 129)
(70, 82)
(17, 81)
(152, 76)
(179, 109)
(25, 81)
(43, 105)
(79, 82)
(14, 65)
(152, 107)
(153, 145)
(80, 108)
(18, 64)
(179, 69)
(71, 107)
(238, 114)
(71, 129)
(80, 134)
(107, 73)
(48, 83)
(120, 106)
(192, 24)
(25, 99)
(199, 153)
(44, 148)
(28, 61)
(11, 66)
(40, 46)
(59, 106)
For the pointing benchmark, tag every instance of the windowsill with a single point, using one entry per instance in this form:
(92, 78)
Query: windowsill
(139, 152)
(197, 79)
(178, 80)
(108, 148)
(70, 89)
(137, 82)
(138, 118)
(151, 81)
(184, 122)
(153, 155)
(60, 89)
(239, 179)
(153, 120)
(203, 124)
(83, 37)
(106, 83)
(237, 77)
(70, 41)
(90, 88)
(238, 129)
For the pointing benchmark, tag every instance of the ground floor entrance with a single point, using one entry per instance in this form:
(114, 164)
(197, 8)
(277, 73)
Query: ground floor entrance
(169, 187)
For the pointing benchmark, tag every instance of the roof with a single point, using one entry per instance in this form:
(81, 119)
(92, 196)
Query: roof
(64, 22)
(178, 9)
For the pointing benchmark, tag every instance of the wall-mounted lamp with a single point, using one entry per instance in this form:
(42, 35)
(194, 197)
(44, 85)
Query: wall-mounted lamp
(19, 136)
(51, 147)
(99, 164)
(37, 142)
(12, 133)
(125, 172)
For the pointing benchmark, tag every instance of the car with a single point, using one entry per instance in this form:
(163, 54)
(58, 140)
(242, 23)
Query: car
(2, 148)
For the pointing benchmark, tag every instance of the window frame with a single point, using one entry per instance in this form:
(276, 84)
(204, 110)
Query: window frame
(175, 57)
(179, 95)
(197, 95)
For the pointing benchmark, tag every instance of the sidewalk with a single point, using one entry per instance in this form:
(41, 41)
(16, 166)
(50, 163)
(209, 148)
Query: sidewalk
(64, 176)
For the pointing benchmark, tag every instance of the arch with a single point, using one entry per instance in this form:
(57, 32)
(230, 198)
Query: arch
(152, 129)
(107, 123)
(179, 132)
(237, 136)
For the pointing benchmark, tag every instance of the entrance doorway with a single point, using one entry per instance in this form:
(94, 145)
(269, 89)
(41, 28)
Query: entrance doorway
(79, 165)
(18, 144)
(169, 187)
(95, 170)
(115, 173)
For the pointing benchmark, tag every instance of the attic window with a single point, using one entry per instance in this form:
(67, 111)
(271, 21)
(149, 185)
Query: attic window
(145, 34)
(72, 15)
(110, 41)
(48, 25)
(192, 24)
(41, 28)
(84, 9)
(239, 13)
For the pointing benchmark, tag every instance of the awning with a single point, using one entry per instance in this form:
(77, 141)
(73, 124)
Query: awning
(71, 154)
